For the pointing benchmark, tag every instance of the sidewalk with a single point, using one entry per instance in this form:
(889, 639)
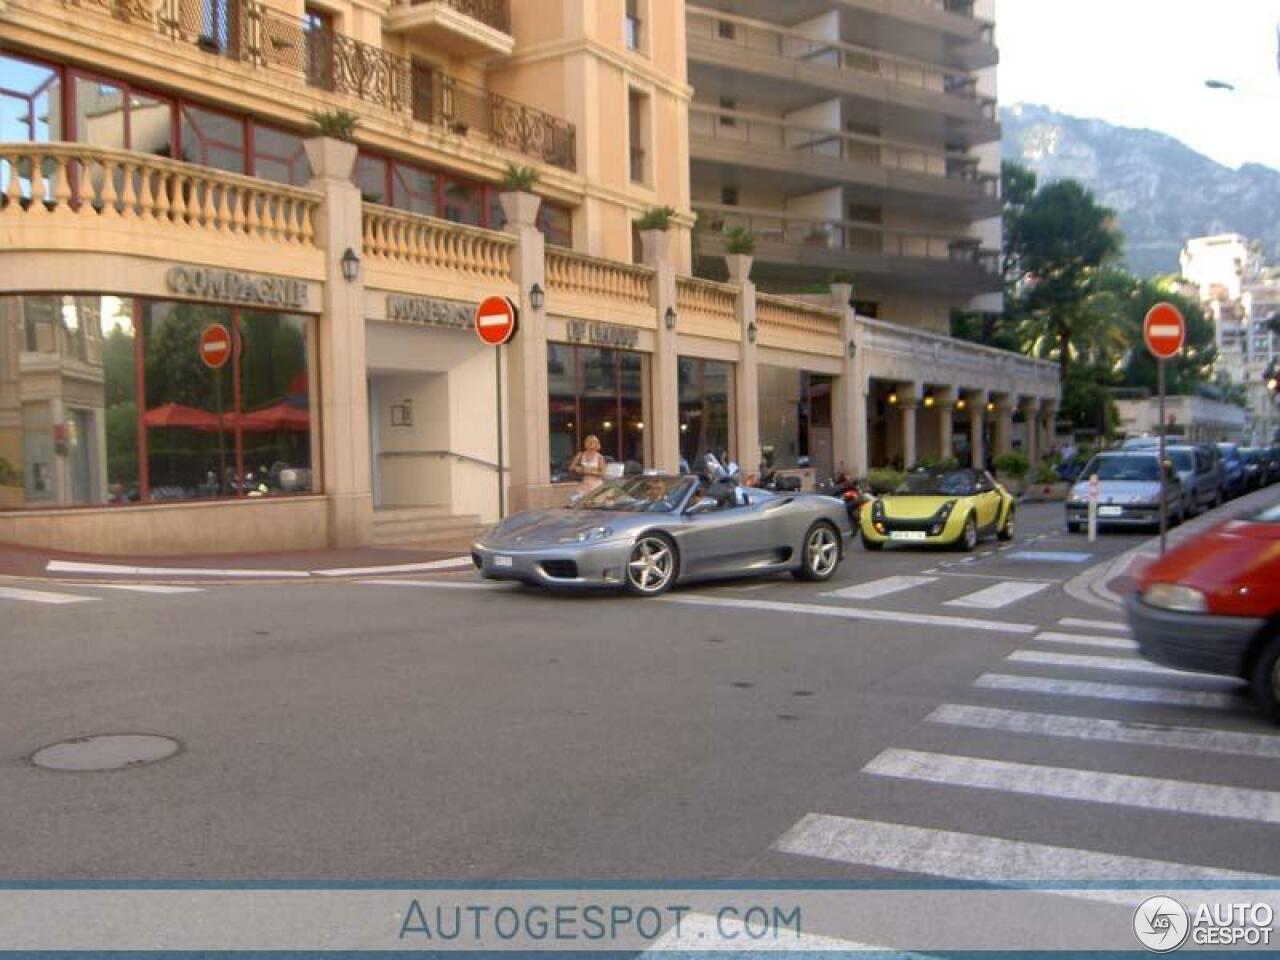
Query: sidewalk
(292, 565)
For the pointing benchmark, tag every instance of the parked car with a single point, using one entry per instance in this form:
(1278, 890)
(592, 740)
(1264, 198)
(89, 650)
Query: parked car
(646, 533)
(1256, 469)
(939, 506)
(1211, 451)
(1233, 467)
(1128, 491)
(1211, 605)
(1272, 455)
(1199, 478)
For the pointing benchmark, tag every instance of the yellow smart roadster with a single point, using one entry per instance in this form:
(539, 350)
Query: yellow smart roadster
(939, 506)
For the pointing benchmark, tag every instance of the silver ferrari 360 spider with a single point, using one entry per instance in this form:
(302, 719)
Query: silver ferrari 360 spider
(647, 533)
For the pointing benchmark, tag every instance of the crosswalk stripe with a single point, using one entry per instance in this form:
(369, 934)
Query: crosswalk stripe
(997, 595)
(975, 857)
(701, 932)
(879, 588)
(855, 613)
(1086, 640)
(442, 584)
(1078, 623)
(1066, 783)
(40, 596)
(1096, 690)
(146, 588)
(1091, 662)
(1109, 731)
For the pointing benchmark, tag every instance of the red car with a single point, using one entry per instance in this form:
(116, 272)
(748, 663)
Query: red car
(1212, 605)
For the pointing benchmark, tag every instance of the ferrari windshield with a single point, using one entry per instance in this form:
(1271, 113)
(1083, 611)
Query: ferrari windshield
(1139, 468)
(637, 495)
(933, 483)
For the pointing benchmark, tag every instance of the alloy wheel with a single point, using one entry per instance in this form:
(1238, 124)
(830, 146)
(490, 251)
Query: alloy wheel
(823, 551)
(651, 565)
(969, 535)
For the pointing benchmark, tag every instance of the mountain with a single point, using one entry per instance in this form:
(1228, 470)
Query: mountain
(1162, 191)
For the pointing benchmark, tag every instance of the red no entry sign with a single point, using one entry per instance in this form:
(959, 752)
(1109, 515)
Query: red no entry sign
(215, 345)
(1164, 330)
(496, 320)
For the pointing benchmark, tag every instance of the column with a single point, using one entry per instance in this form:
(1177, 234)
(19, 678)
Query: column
(665, 367)
(746, 399)
(344, 395)
(527, 401)
(908, 403)
(1030, 408)
(944, 403)
(849, 406)
(976, 401)
(1046, 424)
(1002, 438)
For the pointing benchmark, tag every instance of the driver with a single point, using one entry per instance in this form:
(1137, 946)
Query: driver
(653, 490)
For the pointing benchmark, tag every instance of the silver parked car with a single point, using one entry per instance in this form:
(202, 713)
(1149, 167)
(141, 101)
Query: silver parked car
(1128, 491)
(646, 533)
(1198, 475)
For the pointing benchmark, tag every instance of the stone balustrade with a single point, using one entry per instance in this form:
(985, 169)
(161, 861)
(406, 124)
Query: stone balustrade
(577, 273)
(782, 312)
(416, 240)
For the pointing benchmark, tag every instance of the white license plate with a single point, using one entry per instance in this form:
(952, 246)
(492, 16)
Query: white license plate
(1110, 511)
(502, 561)
(907, 535)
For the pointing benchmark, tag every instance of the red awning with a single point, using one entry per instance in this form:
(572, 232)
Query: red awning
(278, 416)
(180, 415)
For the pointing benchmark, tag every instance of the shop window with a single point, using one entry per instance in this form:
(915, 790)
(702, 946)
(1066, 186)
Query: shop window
(795, 419)
(705, 409)
(371, 177)
(212, 139)
(30, 101)
(597, 392)
(463, 201)
(413, 188)
(279, 156)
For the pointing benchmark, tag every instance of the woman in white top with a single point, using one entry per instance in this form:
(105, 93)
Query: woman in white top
(588, 465)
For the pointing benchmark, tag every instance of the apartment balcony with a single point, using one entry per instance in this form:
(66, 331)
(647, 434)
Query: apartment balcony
(250, 33)
(799, 251)
(799, 159)
(783, 68)
(460, 28)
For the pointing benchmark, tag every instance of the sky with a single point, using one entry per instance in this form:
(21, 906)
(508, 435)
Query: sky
(1143, 63)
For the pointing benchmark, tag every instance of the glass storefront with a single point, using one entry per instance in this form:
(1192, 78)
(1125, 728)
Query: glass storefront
(795, 419)
(596, 391)
(108, 400)
(706, 408)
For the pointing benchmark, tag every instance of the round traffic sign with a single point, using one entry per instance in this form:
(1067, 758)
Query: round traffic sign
(1164, 330)
(215, 345)
(496, 320)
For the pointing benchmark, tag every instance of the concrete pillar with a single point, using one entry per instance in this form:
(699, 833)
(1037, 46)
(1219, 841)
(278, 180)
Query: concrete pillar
(527, 400)
(1002, 438)
(944, 404)
(1030, 408)
(976, 402)
(908, 403)
(1046, 424)
(747, 383)
(344, 393)
(849, 409)
(665, 367)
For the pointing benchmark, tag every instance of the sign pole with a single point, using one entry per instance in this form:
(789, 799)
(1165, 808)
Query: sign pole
(1164, 490)
(502, 485)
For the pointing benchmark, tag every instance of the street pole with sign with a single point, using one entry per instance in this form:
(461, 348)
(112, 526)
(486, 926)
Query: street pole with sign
(495, 324)
(1164, 331)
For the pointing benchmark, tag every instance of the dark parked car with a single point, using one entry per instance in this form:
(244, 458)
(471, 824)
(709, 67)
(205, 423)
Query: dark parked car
(1211, 451)
(1198, 476)
(1255, 468)
(1233, 466)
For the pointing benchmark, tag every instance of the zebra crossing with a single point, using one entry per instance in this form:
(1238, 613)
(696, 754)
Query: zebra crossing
(1056, 694)
(65, 594)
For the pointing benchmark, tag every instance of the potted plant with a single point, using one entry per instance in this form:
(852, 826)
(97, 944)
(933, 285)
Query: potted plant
(1011, 469)
(656, 218)
(331, 147)
(740, 244)
(519, 202)
(653, 225)
(11, 491)
(884, 480)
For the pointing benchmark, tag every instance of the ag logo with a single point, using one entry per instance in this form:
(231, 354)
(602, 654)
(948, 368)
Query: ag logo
(1161, 924)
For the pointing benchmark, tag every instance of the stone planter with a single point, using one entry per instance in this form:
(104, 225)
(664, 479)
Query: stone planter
(1046, 492)
(656, 246)
(520, 208)
(330, 159)
(739, 266)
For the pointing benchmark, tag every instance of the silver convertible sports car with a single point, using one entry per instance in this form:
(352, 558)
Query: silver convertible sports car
(647, 533)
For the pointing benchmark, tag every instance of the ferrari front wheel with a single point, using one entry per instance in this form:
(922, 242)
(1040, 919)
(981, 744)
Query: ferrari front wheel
(821, 553)
(651, 568)
(1006, 532)
(968, 534)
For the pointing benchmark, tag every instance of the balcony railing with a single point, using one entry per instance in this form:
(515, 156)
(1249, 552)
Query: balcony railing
(248, 31)
(758, 36)
(738, 127)
(492, 13)
(852, 236)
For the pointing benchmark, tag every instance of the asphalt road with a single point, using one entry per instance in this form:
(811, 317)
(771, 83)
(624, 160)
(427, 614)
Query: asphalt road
(935, 718)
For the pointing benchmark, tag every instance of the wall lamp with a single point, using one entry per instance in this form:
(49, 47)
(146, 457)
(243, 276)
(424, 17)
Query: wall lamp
(892, 398)
(536, 296)
(853, 349)
(991, 405)
(961, 403)
(350, 266)
(928, 399)
(670, 318)
(751, 332)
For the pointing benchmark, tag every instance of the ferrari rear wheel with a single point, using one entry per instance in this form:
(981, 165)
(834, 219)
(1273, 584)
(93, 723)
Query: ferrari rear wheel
(1266, 679)
(821, 554)
(968, 534)
(651, 568)
(1006, 532)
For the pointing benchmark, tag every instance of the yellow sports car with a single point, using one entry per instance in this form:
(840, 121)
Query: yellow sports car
(939, 506)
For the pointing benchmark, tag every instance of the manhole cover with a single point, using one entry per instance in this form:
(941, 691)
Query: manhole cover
(109, 751)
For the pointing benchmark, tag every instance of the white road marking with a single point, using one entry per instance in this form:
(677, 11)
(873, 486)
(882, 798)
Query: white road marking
(396, 568)
(997, 595)
(1094, 624)
(1066, 783)
(974, 857)
(879, 588)
(442, 584)
(40, 596)
(116, 569)
(1091, 662)
(856, 613)
(701, 932)
(1110, 731)
(1096, 690)
(146, 588)
(1085, 640)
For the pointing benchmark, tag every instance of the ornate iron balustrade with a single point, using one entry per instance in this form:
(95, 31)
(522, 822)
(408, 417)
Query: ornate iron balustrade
(129, 11)
(494, 13)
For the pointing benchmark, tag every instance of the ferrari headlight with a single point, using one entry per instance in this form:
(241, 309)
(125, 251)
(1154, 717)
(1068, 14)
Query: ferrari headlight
(586, 536)
(1172, 596)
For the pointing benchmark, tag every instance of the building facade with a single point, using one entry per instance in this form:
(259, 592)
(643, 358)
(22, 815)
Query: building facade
(220, 330)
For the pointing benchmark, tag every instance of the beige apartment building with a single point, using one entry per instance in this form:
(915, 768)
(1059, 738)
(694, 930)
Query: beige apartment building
(221, 331)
